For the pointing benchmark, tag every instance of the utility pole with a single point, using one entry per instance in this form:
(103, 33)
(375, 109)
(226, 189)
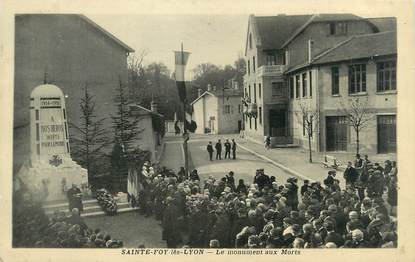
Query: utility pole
(185, 133)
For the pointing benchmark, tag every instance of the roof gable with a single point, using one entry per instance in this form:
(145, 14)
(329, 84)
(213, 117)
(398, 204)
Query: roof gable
(274, 30)
(106, 33)
(360, 46)
(318, 18)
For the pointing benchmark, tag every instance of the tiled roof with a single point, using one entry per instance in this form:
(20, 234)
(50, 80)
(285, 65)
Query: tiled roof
(384, 23)
(274, 30)
(322, 18)
(360, 46)
(220, 93)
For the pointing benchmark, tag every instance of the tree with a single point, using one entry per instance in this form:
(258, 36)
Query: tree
(90, 136)
(126, 131)
(358, 114)
(125, 125)
(309, 119)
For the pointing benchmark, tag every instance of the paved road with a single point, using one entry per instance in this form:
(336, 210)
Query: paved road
(244, 166)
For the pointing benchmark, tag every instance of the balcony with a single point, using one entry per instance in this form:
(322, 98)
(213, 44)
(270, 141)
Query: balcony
(271, 70)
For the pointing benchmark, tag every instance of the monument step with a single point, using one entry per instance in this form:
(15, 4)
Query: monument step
(100, 213)
(64, 203)
(92, 208)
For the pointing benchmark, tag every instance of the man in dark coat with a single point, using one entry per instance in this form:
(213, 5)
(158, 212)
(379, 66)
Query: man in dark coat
(329, 181)
(332, 236)
(218, 148)
(209, 148)
(230, 181)
(233, 149)
(227, 149)
(74, 195)
(350, 174)
(171, 232)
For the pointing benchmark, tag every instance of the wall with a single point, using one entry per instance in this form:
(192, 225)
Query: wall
(319, 33)
(228, 123)
(146, 139)
(379, 103)
(73, 53)
(295, 112)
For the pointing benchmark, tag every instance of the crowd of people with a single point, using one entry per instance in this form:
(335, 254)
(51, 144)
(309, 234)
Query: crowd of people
(274, 214)
(33, 228)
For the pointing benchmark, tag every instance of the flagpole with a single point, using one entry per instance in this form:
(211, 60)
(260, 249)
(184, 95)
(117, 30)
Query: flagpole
(185, 134)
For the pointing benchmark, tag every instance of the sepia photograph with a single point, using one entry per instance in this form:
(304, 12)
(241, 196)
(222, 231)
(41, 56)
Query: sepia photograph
(205, 133)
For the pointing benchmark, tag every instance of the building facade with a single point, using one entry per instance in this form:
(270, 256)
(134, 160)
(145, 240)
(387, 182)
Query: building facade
(324, 63)
(70, 51)
(150, 137)
(218, 111)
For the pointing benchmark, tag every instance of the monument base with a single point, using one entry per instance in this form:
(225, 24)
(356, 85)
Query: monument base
(52, 182)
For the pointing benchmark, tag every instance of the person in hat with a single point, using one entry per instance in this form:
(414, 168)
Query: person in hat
(329, 181)
(218, 148)
(74, 196)
(358, 162)
(209, 148)
(350, 175)
(230, 180)
(233, 149)
(170, 224)
(304, 187)
(227, 149)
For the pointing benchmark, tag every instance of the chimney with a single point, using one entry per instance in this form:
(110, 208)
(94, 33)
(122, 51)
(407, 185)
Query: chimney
(209, 87)
(199, 92)
(154, 106)
(310, 44)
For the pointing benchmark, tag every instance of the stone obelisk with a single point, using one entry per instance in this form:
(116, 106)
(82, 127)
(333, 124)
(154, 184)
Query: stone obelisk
(50, 170)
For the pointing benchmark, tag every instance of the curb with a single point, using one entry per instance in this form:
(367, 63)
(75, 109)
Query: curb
(286, 169)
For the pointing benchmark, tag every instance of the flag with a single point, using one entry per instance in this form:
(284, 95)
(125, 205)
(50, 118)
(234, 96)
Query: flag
(189, 124)
(180, 59)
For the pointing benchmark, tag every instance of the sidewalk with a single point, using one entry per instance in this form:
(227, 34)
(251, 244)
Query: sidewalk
(292, 160)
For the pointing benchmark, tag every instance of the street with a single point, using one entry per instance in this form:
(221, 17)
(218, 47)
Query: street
(244, 166)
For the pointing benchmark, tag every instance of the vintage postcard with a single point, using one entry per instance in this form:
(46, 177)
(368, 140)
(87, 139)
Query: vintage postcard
(196, 130)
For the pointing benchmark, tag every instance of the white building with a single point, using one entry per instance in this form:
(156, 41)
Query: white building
(218, 111)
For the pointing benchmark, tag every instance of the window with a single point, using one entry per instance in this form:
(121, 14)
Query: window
(37, 114)
(357, 79)
(310, 79)
(386, 76)
(297, 86)
(249, 68)
(254, 93)
(304, 123)
(250, 122)
(227, 110)
(304, 84)
(255, 122)
(287, 57)
(342, 28)
(253, 64)
(239, 109)
(332, 27)
(259, 90)
(335, 80)
(291, 87)
(271, 59)
(260, 115)
(249, 92)
(246, 92)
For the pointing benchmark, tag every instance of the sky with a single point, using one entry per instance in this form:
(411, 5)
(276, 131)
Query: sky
(217, 39)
